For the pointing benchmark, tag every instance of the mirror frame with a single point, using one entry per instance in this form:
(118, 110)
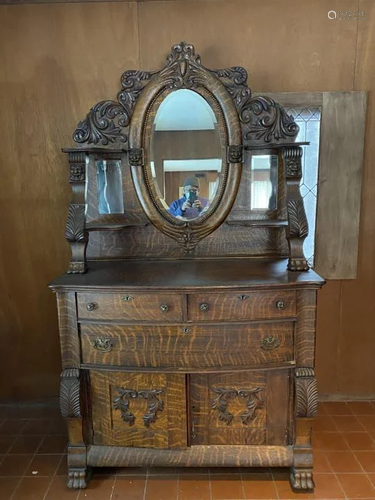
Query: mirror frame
(184, 70)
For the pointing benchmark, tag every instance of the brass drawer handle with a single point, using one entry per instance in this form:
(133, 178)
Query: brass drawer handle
(204, 307)
(102, 344)
(270, 343)
(127, 298)
(243, 297)
(185, 330)
(91, 306)
(280, 304)
(164, 308)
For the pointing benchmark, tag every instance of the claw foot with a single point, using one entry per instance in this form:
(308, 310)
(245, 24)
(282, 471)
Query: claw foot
(302, 479)
(78, 478)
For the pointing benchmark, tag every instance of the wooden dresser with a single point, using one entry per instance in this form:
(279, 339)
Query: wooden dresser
(174, 353)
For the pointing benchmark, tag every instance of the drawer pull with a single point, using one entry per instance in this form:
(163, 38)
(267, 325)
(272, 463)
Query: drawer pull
(243, 297)
(91, 306)
(280, 304)
(270, 343)
(127, 298)
(185, 330)
(204, 307)
(164, 308)
(102, 344)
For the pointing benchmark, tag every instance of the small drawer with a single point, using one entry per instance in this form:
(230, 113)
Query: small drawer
(130, 306)
(239, 306)
(186, 346)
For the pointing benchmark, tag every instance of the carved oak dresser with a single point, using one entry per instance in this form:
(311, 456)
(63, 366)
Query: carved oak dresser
(187, 316)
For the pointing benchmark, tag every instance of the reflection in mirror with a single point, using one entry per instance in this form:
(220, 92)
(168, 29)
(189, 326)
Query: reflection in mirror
(264, 179)
(185, 154)
(109, 180)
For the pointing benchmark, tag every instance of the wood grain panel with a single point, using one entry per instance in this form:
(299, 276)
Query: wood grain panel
(196, 456)
(218, 407)
(241, 306)
(201, 347)
(133, 307)
(68, 329)
(340, 182)
(305, 328)
(109, 424)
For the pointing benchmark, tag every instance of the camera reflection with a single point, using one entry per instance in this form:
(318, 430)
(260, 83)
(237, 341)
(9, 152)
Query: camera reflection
(190, 205)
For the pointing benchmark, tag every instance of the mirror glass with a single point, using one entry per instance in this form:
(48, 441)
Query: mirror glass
(185, 155)
(109, 181)
(264, 178)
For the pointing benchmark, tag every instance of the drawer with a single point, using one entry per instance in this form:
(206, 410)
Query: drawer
(187, 347)
(131, 306)
(241, 306)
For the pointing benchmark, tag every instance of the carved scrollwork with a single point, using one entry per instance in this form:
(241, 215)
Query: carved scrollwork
(221, 401)
(70, 404)
(75, 224)
(154, 404)
(122, 403)
(298, 226)
(224, 396)
(263, 119)
(107, 121)
(306, 393)
(253, 403)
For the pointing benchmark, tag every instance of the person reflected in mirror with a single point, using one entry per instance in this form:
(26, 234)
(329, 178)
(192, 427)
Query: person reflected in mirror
(191, 205)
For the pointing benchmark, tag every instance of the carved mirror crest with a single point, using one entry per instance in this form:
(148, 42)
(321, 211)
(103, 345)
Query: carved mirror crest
(184, 128)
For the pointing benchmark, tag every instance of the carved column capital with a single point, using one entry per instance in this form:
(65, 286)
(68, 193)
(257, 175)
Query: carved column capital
(77, 166)
(292, 157)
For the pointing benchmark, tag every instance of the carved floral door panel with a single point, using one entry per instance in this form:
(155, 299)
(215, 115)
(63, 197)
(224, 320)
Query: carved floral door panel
(138, 410)
(240, 408)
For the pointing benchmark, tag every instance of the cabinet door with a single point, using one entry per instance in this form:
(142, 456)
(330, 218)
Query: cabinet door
(140, 410)
(240, 408)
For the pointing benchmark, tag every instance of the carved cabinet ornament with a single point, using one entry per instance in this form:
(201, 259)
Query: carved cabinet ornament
(70, 385)
(306, 393)
(223, 396)
(154, 404)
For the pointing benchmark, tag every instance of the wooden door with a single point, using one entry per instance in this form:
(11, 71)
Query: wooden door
(140, 410)
(240, 408)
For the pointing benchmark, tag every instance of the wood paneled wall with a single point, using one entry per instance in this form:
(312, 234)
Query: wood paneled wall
(59, 59)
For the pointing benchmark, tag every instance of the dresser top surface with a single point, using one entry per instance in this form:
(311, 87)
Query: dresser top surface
(187, 274)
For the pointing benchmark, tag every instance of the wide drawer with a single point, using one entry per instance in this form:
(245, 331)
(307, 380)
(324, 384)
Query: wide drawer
(241, 306)
(132, 306)
(187, 347)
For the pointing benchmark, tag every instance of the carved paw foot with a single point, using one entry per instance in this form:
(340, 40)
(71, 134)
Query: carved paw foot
(301, 479)
(78, 478)
(298, 265)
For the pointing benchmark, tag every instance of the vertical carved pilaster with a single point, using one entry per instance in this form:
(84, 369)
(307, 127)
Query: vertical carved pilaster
(76, 232)
(70, 402)
(306, 406)
(297, 229)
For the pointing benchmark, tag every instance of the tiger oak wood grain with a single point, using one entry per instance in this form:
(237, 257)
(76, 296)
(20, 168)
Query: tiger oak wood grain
(187, 347)
(68, 329)
(241, 306)
(195, 456)
(169, 428)
(136, 306)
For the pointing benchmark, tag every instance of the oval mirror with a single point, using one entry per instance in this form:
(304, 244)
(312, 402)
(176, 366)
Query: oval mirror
(185, 154)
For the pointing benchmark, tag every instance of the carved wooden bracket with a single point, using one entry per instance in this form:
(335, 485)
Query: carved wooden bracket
(70, 386)
(76, 233)
(306, 393)
(154, 405)
(221, 402)
(297, 229)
